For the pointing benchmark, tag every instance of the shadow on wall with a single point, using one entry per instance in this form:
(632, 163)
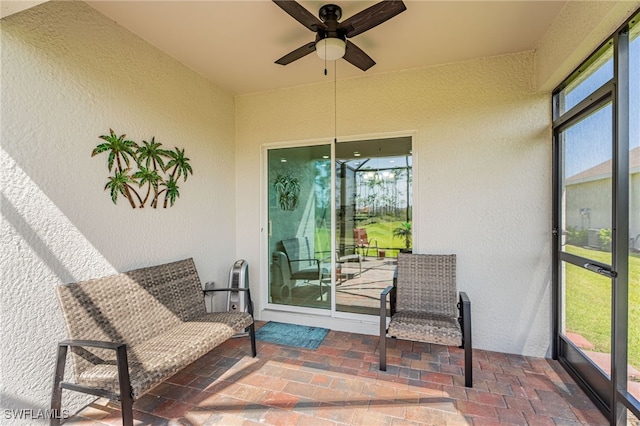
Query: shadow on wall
(538, 299)
(11, 402)
(28, 235)
(40, 249)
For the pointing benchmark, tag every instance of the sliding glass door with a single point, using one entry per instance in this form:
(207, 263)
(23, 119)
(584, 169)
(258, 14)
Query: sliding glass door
(299, 222)
(373, 219)
(337, 264)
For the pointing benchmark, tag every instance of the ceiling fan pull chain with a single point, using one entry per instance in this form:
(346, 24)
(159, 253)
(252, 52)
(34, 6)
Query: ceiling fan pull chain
(335, 102)
(325, 59)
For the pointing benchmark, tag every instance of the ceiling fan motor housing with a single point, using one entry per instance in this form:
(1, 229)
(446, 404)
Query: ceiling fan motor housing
(330, 14)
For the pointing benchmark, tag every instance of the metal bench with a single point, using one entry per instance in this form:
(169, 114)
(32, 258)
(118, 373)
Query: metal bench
(131, 331)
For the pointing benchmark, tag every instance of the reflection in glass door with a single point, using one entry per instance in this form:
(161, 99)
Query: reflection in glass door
(299, 234)
(373, 219)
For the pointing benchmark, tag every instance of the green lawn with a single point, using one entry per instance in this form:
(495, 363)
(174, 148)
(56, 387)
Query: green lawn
(381, 231)
(588, 303)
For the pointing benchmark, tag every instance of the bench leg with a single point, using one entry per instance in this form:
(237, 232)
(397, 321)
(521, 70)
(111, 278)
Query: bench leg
(465, 307)
(56, 394)
(468, 369)
(126, 393)
(252, 335)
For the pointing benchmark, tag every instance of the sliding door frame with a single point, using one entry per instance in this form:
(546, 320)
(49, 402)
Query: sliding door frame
(331, 318)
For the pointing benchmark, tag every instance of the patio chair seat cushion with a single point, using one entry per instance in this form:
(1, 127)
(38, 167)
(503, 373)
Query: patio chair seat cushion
(426, 327)
(167, 353)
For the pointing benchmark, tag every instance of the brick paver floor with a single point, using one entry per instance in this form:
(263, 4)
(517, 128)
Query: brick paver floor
(339, 383)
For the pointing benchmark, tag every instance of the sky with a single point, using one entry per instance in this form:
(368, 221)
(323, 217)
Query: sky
(589, 142)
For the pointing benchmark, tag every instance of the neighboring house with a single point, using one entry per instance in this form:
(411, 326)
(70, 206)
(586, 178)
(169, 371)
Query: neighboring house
(588, 199)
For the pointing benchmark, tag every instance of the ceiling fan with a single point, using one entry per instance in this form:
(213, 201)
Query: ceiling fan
(332, 36)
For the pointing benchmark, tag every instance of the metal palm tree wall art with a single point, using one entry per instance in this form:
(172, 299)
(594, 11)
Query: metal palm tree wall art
(158, 170)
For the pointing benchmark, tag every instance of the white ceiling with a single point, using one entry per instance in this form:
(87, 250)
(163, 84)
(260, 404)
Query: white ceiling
(235, 43)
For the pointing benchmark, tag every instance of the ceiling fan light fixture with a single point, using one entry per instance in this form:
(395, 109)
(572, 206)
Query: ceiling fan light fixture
(330, 48)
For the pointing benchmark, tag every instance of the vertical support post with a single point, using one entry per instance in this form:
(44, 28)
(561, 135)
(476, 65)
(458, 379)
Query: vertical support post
(620, 249)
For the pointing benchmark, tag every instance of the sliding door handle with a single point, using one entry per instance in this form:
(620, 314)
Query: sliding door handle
(601, 270)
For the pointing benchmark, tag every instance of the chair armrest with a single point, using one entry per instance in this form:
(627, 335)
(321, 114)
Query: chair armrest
(243, 289)
(386, 291)
(306, 260)
(390, 292)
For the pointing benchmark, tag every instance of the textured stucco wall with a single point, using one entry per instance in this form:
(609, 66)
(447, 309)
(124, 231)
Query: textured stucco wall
(577, 30)
(68, 75)
(483, 190)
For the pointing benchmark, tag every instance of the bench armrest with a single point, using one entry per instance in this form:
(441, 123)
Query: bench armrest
(242, 289)
(92, 344)
(122, 363)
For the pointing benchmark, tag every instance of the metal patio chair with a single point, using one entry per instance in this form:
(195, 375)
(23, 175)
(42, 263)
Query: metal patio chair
(426, 307)
(363, 243)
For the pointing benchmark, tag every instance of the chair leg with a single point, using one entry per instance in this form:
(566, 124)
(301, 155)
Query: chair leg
(56, 394)
(383, 334)
(468, 369)
(383, 352)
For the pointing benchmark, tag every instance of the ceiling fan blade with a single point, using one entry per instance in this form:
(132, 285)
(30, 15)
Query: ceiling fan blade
(356, 56)
(300, 52)
(300, 14)
(371, 17)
